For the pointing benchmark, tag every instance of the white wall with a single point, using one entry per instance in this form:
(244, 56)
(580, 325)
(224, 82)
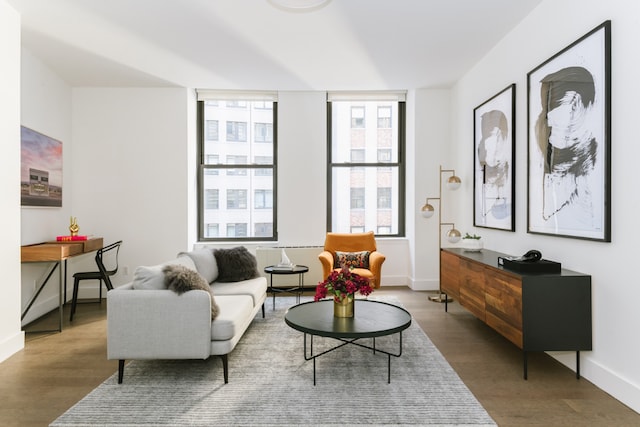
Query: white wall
(612, 365)
(11, 337)
(432, 149)
(46, 108)
(131, 152)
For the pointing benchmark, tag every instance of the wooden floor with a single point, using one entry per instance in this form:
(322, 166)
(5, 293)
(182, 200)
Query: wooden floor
(55, 370)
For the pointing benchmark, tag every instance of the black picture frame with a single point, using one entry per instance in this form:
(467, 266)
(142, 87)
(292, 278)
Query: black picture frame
(569, 140)
(494, 161)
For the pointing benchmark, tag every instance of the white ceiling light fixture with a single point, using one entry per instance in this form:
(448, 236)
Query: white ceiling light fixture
(299, 5)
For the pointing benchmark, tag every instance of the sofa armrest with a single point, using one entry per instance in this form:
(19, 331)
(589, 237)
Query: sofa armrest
(326, 259)
(375, 266)
(158, 324)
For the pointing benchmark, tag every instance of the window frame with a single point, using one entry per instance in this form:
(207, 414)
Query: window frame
(400, 164)
(202, 167)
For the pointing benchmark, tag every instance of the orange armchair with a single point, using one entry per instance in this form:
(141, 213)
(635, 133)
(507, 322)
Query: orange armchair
(352, 243)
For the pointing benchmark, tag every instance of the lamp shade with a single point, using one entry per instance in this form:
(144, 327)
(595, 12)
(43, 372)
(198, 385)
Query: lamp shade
(427, 210)
(453, 183)
(453, 236)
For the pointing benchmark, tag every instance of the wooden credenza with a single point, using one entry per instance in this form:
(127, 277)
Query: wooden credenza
(536, 312)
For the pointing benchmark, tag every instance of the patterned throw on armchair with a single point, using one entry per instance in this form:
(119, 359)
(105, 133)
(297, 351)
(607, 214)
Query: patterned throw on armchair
(357, 250)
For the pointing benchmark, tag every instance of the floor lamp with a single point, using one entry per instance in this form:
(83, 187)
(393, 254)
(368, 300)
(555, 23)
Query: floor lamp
(453, 235)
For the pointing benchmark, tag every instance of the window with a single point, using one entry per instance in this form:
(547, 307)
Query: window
(211, 230)
(236, 199)
(263, 229)
(366, 163)
(384, 198)
(384, 155)
(211, 159)
(237, 230)
(263, 199)
(357, 117)
(357, 198)
(384, 117)
(211, 198)
(237, 131)
(263, 132)
(357, 155)
(236, 160)
(263, 160)
(237, 136)
(211, 130)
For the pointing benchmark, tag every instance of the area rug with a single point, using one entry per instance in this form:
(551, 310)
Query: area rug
(270, 383)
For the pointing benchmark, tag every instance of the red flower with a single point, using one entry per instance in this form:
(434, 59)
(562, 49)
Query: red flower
(343, 283)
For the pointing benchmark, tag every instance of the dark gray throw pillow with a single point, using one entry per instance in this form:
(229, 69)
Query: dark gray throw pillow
(181, 279)
(235, 264)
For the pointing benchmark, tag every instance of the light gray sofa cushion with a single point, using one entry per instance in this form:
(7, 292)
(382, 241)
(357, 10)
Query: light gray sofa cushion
(234, 310)
(256, 288)
(153, 278)
(205, 263)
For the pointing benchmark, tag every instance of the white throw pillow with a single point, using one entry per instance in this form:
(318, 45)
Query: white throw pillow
(148, 278)
(153, 278)
(205, 263)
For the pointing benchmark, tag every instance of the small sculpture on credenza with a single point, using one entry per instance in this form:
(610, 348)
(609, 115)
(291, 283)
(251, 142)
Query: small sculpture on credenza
(73, 227)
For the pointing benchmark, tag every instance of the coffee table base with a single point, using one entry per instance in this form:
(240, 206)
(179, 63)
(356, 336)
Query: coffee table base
(345, 341)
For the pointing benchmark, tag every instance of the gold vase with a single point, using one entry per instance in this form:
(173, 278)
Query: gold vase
(344, 308)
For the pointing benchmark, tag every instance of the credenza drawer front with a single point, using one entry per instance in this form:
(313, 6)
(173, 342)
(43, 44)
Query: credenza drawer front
(450, 275)
(503, 305)
(472, 288)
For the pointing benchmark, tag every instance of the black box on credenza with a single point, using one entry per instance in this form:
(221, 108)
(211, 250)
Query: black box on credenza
(543, 266)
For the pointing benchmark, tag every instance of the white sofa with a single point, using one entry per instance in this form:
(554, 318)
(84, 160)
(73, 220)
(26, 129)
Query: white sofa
(147, 321)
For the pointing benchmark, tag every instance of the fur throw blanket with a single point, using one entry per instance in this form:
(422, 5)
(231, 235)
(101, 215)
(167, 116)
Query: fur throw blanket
(181, 279)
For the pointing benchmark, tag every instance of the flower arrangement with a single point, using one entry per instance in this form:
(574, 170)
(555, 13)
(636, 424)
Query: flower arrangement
(343, 284)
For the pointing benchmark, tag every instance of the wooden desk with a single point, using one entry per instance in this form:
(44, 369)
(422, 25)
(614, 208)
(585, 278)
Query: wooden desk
(55, 253)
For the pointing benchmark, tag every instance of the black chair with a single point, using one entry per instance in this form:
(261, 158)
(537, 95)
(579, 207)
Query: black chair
(107, 262)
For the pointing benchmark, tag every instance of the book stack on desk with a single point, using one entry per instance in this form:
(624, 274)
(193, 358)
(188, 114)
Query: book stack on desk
(71, 238)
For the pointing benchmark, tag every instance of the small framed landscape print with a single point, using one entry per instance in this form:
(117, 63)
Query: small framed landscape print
(40, 169)
(494, 154)
(569, 140)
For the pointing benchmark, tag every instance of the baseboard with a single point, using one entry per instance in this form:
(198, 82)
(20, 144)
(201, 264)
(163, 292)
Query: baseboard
(12, 345)
(602, 377)
(424, 285)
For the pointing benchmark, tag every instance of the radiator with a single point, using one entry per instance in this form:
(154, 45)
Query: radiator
(300, 255)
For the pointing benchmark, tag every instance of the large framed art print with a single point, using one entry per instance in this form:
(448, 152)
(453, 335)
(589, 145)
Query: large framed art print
(494, 154)
(569, 140)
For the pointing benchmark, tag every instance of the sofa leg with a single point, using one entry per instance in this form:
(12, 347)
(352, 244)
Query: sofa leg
(120, 370)
(225, 367)
(263, 310)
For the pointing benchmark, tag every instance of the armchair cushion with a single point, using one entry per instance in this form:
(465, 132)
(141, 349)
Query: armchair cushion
(352, 259)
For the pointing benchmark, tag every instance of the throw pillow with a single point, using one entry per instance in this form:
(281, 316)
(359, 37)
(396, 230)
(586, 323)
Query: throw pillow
(236, 264)
(181, 279)
(205, 263)
(352, 259)
(148, 278)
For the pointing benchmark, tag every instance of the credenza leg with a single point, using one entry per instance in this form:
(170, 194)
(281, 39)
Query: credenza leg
(524, 354)
(577, 365)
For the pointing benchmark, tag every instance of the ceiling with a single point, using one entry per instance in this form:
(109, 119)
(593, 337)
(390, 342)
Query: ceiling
(250, 44)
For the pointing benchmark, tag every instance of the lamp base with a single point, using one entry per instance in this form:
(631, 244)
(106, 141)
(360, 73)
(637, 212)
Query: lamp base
(440, 298)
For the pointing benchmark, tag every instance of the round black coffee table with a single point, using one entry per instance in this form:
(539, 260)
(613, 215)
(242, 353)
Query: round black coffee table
(371, 319)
